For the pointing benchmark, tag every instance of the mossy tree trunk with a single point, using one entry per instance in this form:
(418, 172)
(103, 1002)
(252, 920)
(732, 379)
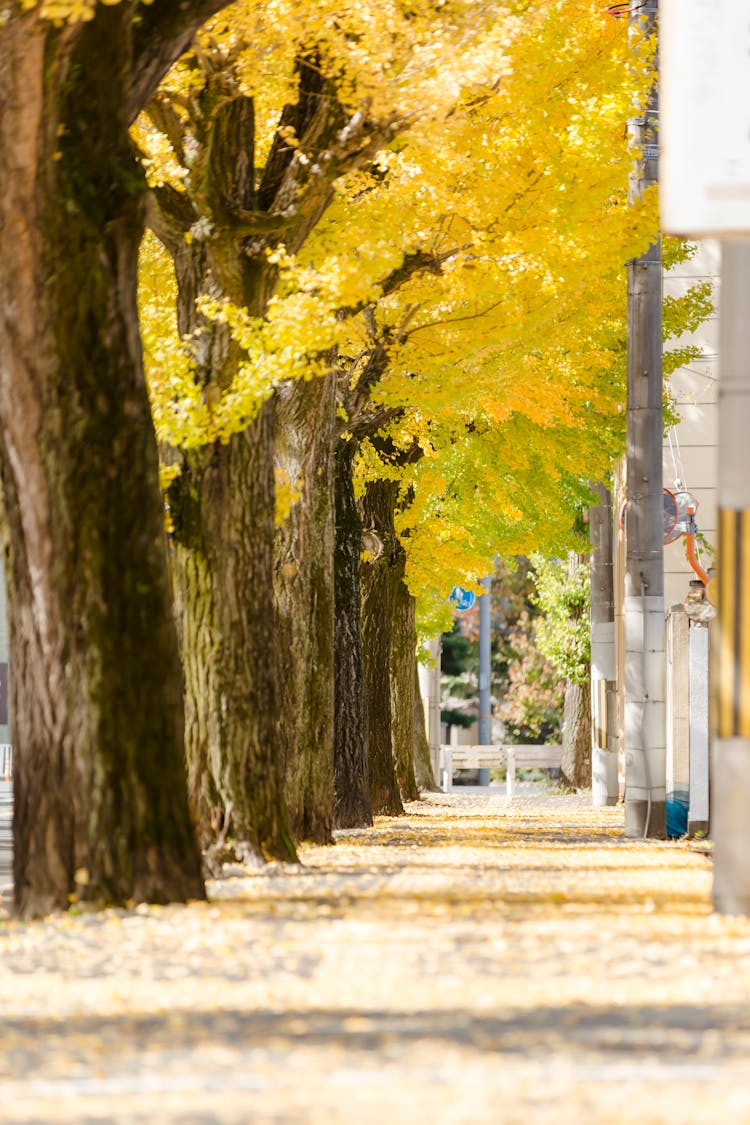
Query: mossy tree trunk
(223, 511)
(304, 595)
(101, 808)
(575, 767)
(377, 616)
(243, 216)
(352, 806)
(402, 661)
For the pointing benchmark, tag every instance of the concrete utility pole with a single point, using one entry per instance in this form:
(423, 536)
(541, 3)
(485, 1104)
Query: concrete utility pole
(604, 781)
(645, 713)
(730, 804)
(485, 676)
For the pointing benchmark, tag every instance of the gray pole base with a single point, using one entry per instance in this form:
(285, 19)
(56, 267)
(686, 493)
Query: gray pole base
(730, 825)
(604, 784)
(637, 819)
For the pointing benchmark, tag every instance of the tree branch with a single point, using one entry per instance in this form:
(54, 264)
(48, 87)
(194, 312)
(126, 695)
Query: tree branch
(169, 214)
(162, 115)
(162, 31)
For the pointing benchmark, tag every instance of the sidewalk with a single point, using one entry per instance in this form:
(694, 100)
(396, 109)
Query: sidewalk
(473, 962)
(6, 852)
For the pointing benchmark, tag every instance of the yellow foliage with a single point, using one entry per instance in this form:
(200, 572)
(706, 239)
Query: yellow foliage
(59, 12)
(485, 241)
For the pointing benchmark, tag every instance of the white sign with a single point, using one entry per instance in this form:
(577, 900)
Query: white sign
(704, 49)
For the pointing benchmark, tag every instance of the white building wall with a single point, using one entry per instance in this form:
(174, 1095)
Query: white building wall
(695, 391)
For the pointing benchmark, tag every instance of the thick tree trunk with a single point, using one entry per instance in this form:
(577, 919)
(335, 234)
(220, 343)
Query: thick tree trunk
(423, 771)
(377, 615)
(223, 510)
(402, 664)
(222, 506)
(352, 807)
(100, 796)
(575, 766)
(289, 727)
(303, 586)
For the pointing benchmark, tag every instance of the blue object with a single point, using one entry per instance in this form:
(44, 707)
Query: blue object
(677, 814)
(462, 599)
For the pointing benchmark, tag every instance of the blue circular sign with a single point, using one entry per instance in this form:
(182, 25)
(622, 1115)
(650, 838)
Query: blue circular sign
(462, 599)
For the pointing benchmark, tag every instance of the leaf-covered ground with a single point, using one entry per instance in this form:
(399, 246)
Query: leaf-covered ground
(473, 962)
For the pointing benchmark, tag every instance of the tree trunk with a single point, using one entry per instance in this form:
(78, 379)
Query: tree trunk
(402, 663)
(303, 586)
(289, 726)
(576, 729)
(351, 807)
(101, 807)
(575, 767)
(377, 615)
(223, 511)
(423, 771)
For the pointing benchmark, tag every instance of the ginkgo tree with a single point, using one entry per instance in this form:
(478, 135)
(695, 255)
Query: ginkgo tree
(224, 227)
(408, 217)
(100, 802)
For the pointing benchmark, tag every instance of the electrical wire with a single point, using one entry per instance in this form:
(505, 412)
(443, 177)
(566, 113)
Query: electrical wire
(679, 471)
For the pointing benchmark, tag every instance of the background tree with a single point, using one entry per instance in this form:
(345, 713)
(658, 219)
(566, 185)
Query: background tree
(468, 298)
(532, 708)
(564, 638)
(252, 153)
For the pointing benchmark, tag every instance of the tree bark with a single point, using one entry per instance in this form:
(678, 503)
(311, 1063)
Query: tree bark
(303, 586)
(423, 771)
(351, 807)
(223, 511)
(402, 663)
(575, 766)
(243, 215)
(377, 614)
(101, 807)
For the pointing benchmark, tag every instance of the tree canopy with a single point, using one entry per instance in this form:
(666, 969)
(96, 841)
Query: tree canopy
(480, 246)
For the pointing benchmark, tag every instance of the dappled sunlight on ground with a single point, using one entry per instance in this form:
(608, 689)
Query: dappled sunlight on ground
(476, 960)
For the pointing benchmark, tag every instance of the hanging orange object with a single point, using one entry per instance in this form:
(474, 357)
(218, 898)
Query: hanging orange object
(690, 546)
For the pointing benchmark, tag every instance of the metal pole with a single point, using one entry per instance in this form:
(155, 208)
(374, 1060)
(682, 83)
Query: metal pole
(645, 713)
(604, 741)
(730, 798)
(485, 677)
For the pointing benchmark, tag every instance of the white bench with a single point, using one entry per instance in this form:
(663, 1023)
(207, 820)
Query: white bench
(505, 757)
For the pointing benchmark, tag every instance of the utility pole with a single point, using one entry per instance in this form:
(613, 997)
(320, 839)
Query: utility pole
(485, 677)
(645, 711)
(604, 735)
(730, 804)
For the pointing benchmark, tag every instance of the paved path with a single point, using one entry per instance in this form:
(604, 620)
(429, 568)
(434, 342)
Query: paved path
(473, 962)
(6, 853)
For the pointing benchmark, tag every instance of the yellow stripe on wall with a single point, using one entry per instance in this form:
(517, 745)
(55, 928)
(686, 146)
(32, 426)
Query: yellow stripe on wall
(733, 662)
(743, 703)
